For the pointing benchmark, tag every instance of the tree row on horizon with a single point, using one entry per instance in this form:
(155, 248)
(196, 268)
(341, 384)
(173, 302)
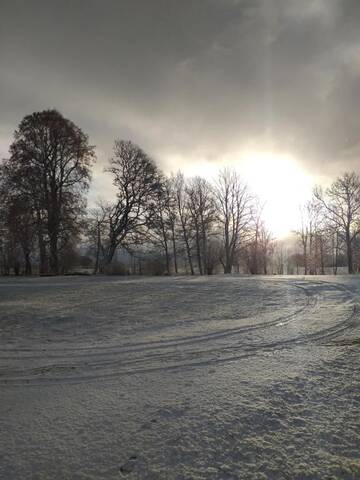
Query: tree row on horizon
(167, 224)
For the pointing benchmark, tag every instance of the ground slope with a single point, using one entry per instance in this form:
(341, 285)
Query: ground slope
(180, 378)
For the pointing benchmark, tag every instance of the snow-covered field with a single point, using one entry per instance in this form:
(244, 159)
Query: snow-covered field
(180, 378)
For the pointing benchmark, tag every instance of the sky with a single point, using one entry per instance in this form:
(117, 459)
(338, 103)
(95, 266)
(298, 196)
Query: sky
(270, 87)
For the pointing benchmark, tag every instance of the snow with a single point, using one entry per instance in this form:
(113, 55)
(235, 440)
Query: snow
(225, 377)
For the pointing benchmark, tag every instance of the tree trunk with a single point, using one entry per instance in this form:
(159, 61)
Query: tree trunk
(28, 268)
(174, 249)
(109, 254)
(204, 246)
(167, 257)
(322, 261)
(255, 254)
(188, 251)
(335, 263)
(305, 260)
(310, 258)
(17, 269)
(228, 262)
(198, 250)
(265, 265)
(98, 246)
(54, 257)
(165, 244)
(42, 246)
(349, 252)
(227, 266)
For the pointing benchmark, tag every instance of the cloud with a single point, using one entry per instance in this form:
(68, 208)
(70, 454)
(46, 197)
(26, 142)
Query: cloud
(191, 80)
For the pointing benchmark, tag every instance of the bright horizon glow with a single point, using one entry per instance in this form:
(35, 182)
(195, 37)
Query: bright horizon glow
(281, 184)
(279, 181)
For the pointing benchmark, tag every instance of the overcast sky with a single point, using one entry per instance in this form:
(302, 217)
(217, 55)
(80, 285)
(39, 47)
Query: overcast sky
(191, 81)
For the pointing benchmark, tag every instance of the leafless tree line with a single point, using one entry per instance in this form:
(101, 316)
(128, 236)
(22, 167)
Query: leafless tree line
(161, 224)
(189, 225)
(330, 227)
(175, 224)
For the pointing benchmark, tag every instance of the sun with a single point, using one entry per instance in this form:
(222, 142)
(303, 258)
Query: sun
(281, 184)
(279, 181)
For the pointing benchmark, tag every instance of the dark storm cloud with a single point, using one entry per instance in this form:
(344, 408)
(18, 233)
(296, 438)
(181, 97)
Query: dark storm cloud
(190, 79)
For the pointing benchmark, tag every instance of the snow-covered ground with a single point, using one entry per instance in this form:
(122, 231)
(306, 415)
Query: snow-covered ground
(180, 378)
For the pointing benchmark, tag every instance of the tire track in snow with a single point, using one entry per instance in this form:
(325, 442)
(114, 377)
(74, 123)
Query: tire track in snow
(58, 352)
(184, 352)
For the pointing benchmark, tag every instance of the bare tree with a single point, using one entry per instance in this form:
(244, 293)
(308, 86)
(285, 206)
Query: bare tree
(171, 210)
(303, 235)
(184, 216)
(96, 230)
(335, 248)
(306, 234)
(162, 231)
(281, 258)
(234, 209)
(202, 209)
(313, 237)
(341, 202)
(266, 244)
(49, 165)
(260, 244)
(136, 178)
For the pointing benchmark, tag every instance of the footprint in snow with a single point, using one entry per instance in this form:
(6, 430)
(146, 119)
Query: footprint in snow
(129, 465)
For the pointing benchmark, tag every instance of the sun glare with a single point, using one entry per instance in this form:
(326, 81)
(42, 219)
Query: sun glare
(282, 186)
(279, 181)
